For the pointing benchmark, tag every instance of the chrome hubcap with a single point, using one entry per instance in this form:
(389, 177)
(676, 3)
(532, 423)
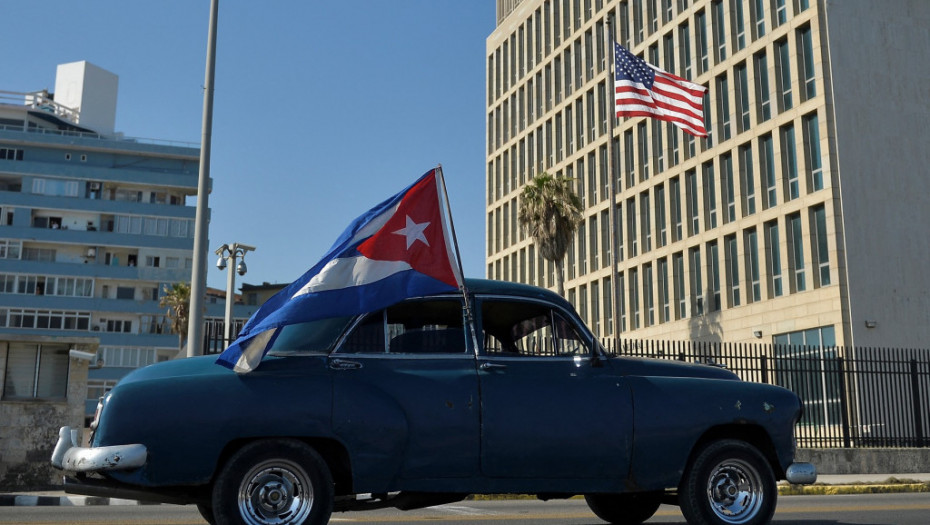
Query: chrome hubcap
(734, 491)
(275, 493)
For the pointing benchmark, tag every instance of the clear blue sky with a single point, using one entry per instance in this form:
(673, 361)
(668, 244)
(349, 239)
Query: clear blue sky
(322, 108)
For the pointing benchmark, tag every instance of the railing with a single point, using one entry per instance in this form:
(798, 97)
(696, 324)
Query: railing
(853, 397)
(42, 101)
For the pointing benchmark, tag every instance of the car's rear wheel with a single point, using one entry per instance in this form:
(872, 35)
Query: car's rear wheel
(728, 483)
(274, 482)
(624, 509)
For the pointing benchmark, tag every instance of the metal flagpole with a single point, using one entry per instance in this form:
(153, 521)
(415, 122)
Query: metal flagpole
(199, 266)
(614, 256)
(469, 312)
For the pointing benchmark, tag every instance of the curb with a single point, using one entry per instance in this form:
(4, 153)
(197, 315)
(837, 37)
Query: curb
(18, 500)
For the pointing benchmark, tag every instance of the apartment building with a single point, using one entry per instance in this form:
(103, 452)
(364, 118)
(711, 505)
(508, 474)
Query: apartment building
(93, 227)
(800, 219)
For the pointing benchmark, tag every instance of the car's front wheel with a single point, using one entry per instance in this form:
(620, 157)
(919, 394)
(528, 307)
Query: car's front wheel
(624, 509)
(728, 483)
(274, 482)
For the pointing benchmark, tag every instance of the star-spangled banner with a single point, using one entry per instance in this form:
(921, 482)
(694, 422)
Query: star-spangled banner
(400, 248)
(643, 90)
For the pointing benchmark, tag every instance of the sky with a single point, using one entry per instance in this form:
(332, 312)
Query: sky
(322, 109)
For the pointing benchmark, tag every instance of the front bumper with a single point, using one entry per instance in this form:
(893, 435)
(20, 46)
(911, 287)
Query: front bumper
(801, 473)
(71, 457)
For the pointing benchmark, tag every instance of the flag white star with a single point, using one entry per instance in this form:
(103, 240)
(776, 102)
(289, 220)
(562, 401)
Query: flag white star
(413, 232)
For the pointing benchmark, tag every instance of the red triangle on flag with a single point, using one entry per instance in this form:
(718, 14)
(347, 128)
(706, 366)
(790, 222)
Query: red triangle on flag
(415, 234)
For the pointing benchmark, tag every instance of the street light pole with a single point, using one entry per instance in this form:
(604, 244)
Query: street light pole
(229, 253)
(201, 220)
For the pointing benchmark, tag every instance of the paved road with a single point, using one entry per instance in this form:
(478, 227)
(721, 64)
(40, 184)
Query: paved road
(871, 509)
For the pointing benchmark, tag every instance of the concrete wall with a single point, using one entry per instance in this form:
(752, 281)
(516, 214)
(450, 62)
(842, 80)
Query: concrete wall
(29, 430)
(879, 69)
(867, 460)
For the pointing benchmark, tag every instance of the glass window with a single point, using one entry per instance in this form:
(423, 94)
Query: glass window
(526, 329)
(411, 327)
(36, 371)
(697, 287)
(814, 162)
(796, 251)
(807, 63)
(713, 274)
(773, 259)
(783, 67)
(720, 34)
(742, 99)
(790, 161)
(732, 262)
(767, 165)
(820, 247)
(747, 179)
(762, 86)
(751, 243)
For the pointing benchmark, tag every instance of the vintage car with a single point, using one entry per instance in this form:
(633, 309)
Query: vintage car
(426, 402)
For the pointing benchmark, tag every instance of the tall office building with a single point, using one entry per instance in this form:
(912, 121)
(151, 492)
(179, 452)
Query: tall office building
(800, 219)
(93, 227)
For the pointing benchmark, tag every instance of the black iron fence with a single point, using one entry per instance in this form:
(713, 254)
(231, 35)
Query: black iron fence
(853, 397)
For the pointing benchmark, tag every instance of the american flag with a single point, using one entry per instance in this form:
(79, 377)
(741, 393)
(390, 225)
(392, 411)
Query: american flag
(643, 90)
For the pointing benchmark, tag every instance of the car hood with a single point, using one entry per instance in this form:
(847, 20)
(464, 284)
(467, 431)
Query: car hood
(192, 366)
(644, 366)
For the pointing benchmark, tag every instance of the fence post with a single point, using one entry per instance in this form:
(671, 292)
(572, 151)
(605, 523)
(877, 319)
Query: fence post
(915, 395)
(844, 403)
(764, 365)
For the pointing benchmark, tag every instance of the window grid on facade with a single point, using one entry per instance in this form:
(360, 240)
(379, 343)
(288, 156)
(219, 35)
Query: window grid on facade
(548, 110)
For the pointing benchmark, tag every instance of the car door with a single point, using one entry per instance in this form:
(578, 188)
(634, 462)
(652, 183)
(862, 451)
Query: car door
(550, 409)
(405, 398)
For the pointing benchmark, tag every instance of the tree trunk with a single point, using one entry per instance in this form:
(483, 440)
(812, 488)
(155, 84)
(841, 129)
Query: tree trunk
(559, 278)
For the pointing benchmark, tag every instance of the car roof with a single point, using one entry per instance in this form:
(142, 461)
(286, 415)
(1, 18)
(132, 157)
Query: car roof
(491, 287)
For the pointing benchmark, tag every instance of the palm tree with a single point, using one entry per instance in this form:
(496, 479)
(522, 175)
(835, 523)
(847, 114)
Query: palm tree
(178, 301)
(550, 211)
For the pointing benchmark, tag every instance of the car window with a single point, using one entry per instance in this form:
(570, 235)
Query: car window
(411, 327)
(519, 328)
(315, 337)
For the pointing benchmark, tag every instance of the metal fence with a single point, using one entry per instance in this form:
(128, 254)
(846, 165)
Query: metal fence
(853, 397)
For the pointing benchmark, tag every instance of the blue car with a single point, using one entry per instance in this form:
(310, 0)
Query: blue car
(427, 402)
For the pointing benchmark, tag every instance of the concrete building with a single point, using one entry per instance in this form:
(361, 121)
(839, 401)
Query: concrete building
(93, 227)
(801, 219)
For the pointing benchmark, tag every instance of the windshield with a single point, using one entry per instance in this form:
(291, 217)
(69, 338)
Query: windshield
(312, 337)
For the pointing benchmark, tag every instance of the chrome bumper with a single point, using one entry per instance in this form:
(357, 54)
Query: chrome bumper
(69, 456)
(801, 473)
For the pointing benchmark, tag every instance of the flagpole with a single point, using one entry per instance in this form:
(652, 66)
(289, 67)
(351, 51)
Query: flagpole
(612, 213)
(469, 313)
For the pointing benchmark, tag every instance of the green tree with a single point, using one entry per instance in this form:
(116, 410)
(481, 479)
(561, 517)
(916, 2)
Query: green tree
(550, 211)
(177, 300)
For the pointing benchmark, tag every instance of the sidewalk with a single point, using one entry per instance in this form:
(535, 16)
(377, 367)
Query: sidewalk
(828, 484)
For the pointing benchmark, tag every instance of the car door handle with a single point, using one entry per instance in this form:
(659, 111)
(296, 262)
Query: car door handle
(344, 364)
(492, 366)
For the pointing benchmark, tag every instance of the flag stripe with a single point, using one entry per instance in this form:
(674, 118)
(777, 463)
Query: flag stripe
(642, 89)
(375, 263)
(351, 271)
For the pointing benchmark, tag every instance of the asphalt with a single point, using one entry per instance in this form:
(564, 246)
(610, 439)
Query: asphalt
(826, 484)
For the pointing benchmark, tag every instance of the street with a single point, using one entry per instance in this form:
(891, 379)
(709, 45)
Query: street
(870, 509)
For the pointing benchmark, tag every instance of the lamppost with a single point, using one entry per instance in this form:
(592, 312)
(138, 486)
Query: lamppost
(230, 252)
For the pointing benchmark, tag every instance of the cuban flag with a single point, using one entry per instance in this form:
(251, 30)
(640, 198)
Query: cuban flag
(400, 248)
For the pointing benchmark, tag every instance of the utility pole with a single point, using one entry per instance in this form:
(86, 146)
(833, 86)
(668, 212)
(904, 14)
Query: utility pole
(201, 223)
